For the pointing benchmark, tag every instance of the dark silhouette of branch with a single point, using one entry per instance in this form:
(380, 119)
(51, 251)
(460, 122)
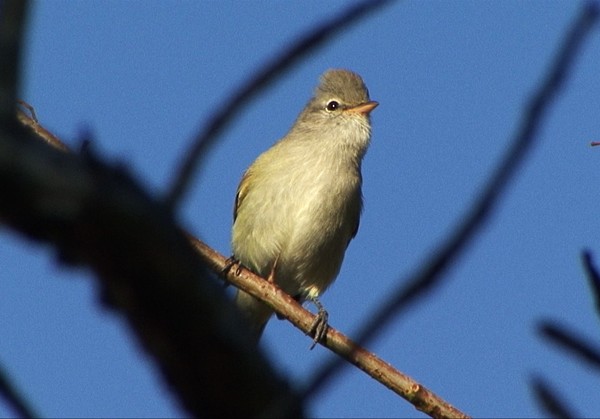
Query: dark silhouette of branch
(95, 214)
(13, 398)
(12, 26)
(430, 274)
(576, 345)
(548, 399)
(593, 278)
(266, 76)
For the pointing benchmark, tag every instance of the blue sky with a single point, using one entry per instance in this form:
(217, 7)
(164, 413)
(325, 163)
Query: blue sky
(452, 79)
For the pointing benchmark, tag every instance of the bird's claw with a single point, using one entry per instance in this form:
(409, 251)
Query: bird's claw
(320, 324)
(230, 263)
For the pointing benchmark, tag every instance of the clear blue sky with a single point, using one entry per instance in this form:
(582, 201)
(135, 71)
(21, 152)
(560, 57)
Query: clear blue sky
(451, 79)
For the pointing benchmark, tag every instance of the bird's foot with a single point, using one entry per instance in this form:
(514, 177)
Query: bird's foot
(319, 326)
(230, 263)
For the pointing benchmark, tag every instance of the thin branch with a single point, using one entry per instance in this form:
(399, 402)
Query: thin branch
(14, 399)
(32, 123)
(576, 345)
(430, 274)
(593, 278)
(29, 109)
(549, 401)
(266, 76)
(288, 308)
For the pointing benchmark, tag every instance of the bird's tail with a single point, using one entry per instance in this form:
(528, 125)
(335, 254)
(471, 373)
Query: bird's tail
(255, 311)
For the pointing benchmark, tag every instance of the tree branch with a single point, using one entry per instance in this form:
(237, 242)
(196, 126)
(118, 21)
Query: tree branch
(575, 345)
(593, 278)
(13, 397)
(288, 308)
(549, 400)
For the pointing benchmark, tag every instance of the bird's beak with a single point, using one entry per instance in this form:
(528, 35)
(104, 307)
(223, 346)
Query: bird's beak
(363, 108)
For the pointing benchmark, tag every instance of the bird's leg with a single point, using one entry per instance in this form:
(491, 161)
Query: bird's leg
(319, 326)
(271, 277)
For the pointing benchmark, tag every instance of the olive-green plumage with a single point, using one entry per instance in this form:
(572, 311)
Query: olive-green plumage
(298, 205)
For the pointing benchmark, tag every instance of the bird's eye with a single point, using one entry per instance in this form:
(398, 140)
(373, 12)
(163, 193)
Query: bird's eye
(332, 105)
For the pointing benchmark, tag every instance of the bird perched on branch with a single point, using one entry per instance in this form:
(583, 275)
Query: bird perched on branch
(298, 205)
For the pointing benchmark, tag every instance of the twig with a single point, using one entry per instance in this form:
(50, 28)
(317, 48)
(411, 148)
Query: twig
(32, 123)
(266, 76)
(430, 274)
(14, 399)
(593, 278)
(30, 109)
(548, 399)
(576, 345)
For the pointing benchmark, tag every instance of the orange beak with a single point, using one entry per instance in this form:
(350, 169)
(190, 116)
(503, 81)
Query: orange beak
(363, 108)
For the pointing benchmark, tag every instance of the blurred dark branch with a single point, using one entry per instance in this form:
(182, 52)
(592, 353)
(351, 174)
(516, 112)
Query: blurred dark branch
(578, 346)
(13, 398)
(593, 278)
(95, 214)
(429, 275)
(265, 76)
(575, 345)
(549, 401)
(12, 26)
(13, 16)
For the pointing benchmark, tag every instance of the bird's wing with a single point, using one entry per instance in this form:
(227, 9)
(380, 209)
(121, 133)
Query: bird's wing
(242, 190)
(357, 222)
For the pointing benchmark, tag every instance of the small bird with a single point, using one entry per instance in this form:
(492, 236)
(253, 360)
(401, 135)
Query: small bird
(298, 205)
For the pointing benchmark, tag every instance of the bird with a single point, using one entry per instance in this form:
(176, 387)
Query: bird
(298, 205)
